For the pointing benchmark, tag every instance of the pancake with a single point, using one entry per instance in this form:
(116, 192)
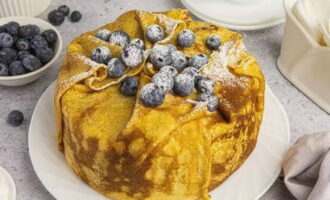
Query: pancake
(176, 151)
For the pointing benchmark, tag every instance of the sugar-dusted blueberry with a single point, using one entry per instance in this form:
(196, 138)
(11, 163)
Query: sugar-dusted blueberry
(210, 99)
(38, 41)
(193, 72)
(129, 86)
(183, 85)
(22, 54)
(198, 60)
(16, 68)
(120, 38)
(170, 70)
(22, 44)
(186, 38)
(103, 34)
(4, 70)
(160, 56)
(213, 42)
(152, 95)
(179, 60)
(101, 54)
(132, 55)
(7, 55)
(164, 80)
(171, 47)
(44, 54)
(50, 36)
(31, 63)
(76, 16)
(56, 17)
(2, 29)
(205, 85)
(138, 42)
(12, 28)
(155, 33)
(6, 40)
(15, 118)
(116, 68)
(64, 9)
(28, 31)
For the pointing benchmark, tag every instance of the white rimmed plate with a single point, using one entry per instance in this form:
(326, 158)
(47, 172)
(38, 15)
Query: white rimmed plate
(249, 182)
(238, 14)
(9, 190)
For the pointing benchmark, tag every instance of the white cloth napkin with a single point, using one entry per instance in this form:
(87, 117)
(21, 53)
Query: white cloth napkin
(314, 15)
(306, 167)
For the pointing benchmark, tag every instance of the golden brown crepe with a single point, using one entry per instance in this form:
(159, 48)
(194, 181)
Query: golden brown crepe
(176, 151)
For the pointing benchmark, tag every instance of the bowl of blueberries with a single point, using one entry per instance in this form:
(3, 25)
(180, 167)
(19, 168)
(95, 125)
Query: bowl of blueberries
(28, 48)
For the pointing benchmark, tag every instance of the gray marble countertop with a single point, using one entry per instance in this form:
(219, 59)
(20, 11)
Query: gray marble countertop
(305, 117)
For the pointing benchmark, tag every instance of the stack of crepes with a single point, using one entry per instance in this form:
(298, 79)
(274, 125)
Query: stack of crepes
(176, 151)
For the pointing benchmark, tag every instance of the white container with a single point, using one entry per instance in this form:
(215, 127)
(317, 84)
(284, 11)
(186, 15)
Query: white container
(32, 76)
(303, 61)
(22, 7)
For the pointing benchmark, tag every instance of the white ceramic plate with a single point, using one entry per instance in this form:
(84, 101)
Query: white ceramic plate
(239, 16)
(249, 182)
(9, 192)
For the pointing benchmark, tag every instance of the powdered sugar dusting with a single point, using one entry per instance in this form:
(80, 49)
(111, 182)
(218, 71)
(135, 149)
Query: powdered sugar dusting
(227, 56)
(168, 23)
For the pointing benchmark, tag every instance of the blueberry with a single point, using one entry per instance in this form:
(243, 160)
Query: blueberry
(101, 54)
(132, 55)
(7, 55)
(76, 16)
(213, 42)
(129, 86)
(171, 47)
(160, 56)
(120, 38)
(179, 60)
(3, 70)
(103, 34)
(205, 85)
(164, 80)
(6, 40)
(186, 38)
(44, 54)
(155, 33)
(22, 44)
(28, 31)
(152, 95)
(16, 68)
(56, 17)
(38, 41)
(64, 9)
(2, 29)
(138, 42)
(193, 72)
(116, 68)
(183, 85)
(15, 118)
(31, 63)
(12, 28)
(198, 60)
(22, 54)
(50, 36)
(211, 100)
(170, 70)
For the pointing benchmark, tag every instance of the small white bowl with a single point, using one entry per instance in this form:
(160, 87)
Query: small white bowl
(32, 76)
(303, 61)
(22, 7)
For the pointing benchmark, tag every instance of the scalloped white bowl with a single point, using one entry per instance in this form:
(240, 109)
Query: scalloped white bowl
(32, 76)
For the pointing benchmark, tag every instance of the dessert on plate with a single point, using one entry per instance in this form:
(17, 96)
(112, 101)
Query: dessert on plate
(158, 106)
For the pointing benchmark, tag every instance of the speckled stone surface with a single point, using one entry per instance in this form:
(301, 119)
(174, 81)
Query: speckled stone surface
(305, 117)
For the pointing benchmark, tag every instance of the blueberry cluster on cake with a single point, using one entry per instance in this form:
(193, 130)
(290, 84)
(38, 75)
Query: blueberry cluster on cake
(158, 106)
